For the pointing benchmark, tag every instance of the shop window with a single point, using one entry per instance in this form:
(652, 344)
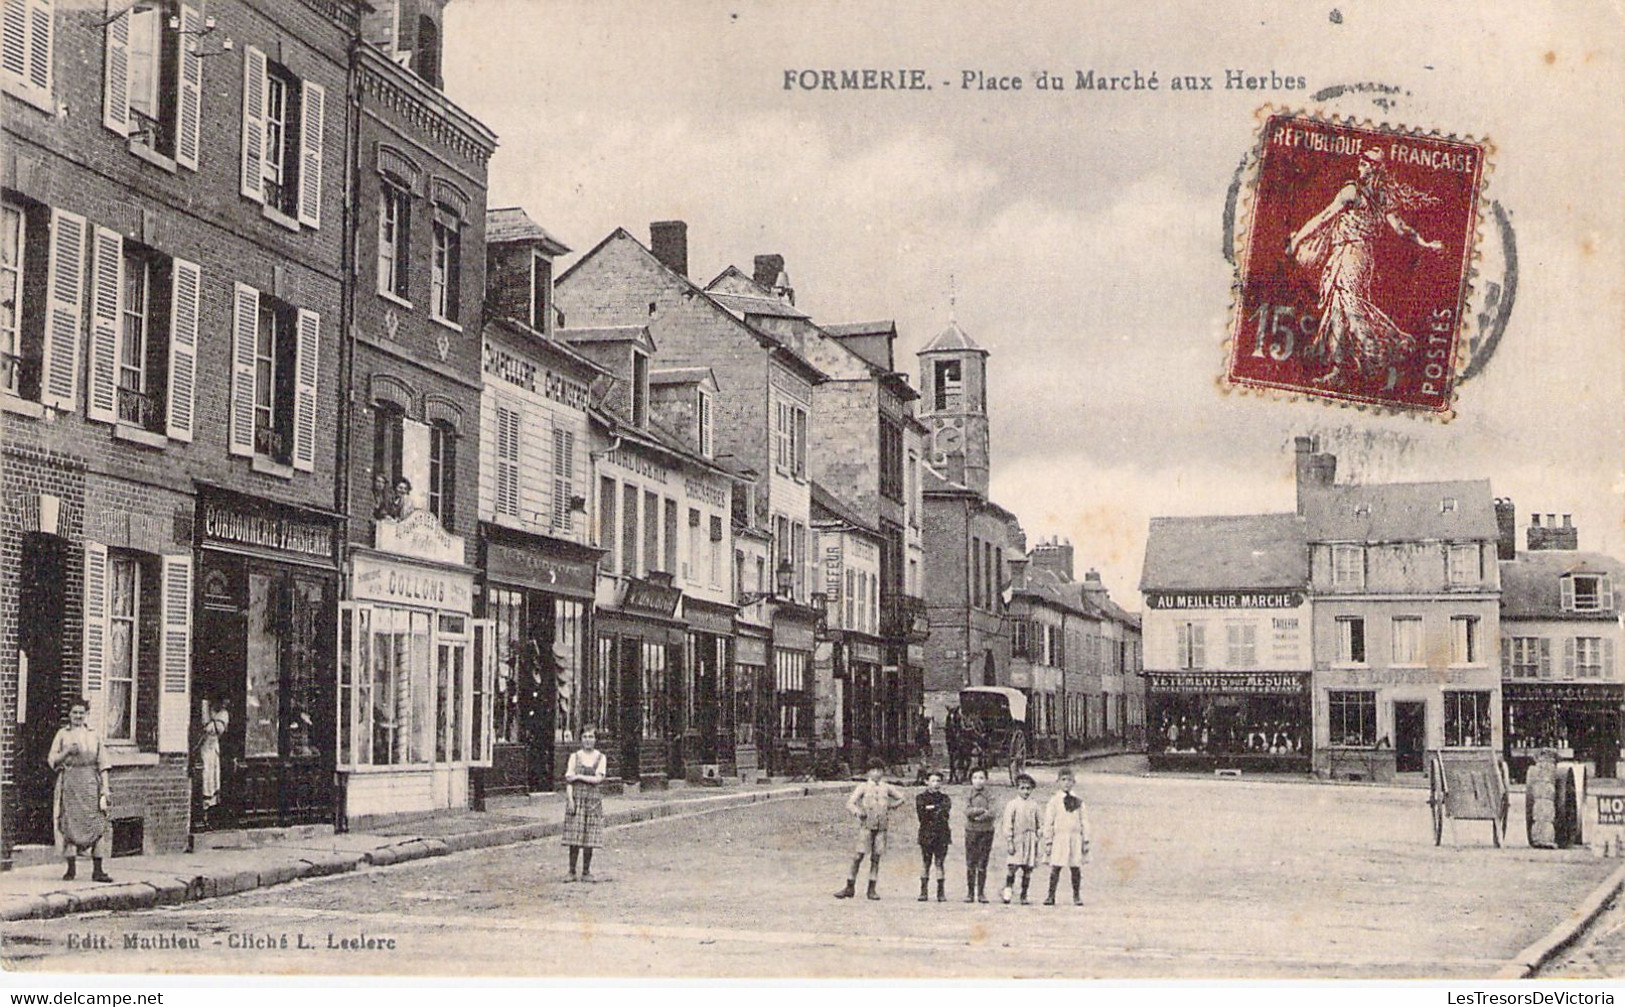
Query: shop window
(1241, 645)
(1465, 646)
(1466, 719)
(654, 690)
(506, 609)
(790, 677)
(1587, 593)
(599, 703)
(746, 683)
(1407, 640)
(569, 624)
(1463, 564)
(1348, 567)
(1353, 718)
(1351, 639)
(1192, 645)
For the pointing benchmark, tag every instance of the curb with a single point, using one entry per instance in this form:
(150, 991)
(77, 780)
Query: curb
(1533, 958)
(161, 891)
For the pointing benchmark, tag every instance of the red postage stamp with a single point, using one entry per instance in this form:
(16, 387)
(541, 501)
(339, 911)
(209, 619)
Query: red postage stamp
(1356, 269)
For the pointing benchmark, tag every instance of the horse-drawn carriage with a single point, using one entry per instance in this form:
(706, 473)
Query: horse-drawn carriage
(989, 729)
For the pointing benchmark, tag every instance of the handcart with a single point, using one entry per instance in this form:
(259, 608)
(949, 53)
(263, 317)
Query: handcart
(1472, 785)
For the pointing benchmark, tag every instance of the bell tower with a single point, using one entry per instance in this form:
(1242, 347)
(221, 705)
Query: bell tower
(953, 376)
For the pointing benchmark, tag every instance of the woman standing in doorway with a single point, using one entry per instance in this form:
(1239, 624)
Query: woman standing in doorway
(583, 805)
(79, 804)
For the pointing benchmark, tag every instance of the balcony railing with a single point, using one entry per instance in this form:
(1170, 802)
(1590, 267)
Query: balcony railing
(140, 409)
(271, 443)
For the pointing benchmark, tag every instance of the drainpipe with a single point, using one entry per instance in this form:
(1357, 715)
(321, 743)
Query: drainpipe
(352, 213)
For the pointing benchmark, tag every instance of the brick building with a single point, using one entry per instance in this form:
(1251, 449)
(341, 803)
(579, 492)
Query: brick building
(173, 222)
(413, 727)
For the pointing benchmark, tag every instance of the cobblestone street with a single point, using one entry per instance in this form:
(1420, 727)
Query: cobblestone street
(1192, 878)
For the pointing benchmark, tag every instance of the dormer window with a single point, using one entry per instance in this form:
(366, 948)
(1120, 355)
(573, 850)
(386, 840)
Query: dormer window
(1362, 510)
(1588, 593)
(640, 389)
(702, 413)
(1447, 505)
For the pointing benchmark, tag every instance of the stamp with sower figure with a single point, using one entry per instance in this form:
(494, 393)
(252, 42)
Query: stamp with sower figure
(1356, 270)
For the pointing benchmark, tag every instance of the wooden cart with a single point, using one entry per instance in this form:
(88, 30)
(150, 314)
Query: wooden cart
(1471, 785)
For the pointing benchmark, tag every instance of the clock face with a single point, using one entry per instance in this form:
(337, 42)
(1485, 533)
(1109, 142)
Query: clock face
(949, 439)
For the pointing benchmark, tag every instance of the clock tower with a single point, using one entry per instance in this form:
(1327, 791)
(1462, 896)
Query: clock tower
(953, 375)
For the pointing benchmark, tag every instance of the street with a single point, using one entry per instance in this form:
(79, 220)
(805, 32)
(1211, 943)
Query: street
(1192, 878)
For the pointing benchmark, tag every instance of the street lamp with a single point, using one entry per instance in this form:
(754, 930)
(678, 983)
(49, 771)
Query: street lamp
(784, 579)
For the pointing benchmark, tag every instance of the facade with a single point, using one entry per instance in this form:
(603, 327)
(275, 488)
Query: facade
(539, 566)
(168, 496)
(414, 693)
(860, 697)
(1406, 593)
(1044, 617)
(1561, 637)
(760, 427)
(1227, 643)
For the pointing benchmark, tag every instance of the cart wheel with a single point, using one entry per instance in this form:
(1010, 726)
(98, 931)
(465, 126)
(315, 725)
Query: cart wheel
(1018, 756)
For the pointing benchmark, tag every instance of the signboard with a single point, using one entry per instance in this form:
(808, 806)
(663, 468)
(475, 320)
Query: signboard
(1186, 600)
(1237, 682)
(1610, 693)
(650, 598)
(1611, 809)
(400, 584)
(750, 650)
(420, 536)
(868, 653)
(716, 621)
(515, 565)
(264, 525)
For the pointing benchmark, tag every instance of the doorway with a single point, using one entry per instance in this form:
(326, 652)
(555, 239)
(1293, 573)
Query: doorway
(1410, 736)
(1596, 738)
(39, 637)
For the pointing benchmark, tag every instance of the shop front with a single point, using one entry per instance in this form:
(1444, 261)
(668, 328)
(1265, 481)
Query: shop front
(1579, 720)
(263, 675)
(864, 691)
(794, 744)
(708, 689)
(416, 675)
(538, 597)
(752, 697)
(639, 668)
(1258, 721)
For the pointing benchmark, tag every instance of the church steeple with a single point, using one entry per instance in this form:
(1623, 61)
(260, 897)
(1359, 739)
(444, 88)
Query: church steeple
(953, 376)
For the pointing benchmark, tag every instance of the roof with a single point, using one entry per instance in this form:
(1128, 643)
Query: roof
(1531, 584)
(953, 338)
(1045, 586)
(835, 510)
(751, 304)
(1401, 512)
(882, 327)
(511, 223)
(604, 334)
(654, 436)
(682, 376)
(1224, 552)
(538, 341)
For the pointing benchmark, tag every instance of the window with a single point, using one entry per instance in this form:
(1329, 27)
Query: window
(141, 360)
(282, 148)
(1588, 657)
(1348, 567)
(394, 238)
(1463, 564)
(564, 484)
(13, 241)
(152, 92)
(1587, 593)
(651, 533)
(798, 545)
(446, 266)
(995, 579)
(1529, 657)
(1241, 645)
(25, 50)
(640, 389)
(1466, 719)
(1192, 645)
(606, 523)
(541, 291)
(913, 500)
(891, 460)
(669, 552)
(695, 536)
(790, 676)
(443, 473)
(1407, 640)
(388, 422)
(851, 599)
(798, 442)
(274, 375)
(781, 436)
(1464, 640)
(976, 572)
(123, 646)
(950, 386)
(629, 530)
(1353, 718)
(1351, 640)
(718, 548)
(507, 462)
(702, 410)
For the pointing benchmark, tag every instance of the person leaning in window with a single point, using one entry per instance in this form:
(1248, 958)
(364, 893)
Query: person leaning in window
(79, 803)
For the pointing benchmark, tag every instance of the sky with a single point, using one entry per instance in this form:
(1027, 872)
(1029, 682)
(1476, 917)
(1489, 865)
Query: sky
(1083, 232)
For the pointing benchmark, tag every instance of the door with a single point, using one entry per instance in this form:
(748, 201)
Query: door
(39, 636)
(541, 693)
(1596, 738)
(1410, 736)
(631, 697)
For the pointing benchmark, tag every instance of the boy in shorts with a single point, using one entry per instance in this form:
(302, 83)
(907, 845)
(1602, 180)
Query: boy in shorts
(871, 804)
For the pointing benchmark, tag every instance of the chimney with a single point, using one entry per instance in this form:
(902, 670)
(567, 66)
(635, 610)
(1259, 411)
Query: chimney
(1018, 570)
(668, 240)
(1551, 536)
(1093, 587)
(1054, 556)
(1312, 467)
(768, 268)
(1506, 525)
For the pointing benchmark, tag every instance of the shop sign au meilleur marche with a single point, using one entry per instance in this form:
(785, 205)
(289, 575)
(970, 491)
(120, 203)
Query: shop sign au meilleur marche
(1199, 600)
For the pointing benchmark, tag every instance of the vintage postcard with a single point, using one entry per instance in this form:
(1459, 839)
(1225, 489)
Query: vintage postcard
(520, 489)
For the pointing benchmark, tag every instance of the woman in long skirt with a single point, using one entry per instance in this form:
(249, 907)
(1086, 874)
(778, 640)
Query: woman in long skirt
(79, 803)
(583, 805)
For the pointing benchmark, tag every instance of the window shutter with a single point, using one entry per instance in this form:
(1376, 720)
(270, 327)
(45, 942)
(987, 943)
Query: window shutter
(563, 462)
(1506, 657)
(304, 393)
(106, 310)
(254, 92)
(1184, 658)
(1608, 657)
(116, 75)
(1568, 594)
(189, 106)
(800, 438)
(314, 105)
(1198, 647)
(1545, 659)
(39, 43)
(1605, 593)
(14, 38)
(186, 282)
(95, 647)
(245, 327)
(62, 331)
(174, 653)
(1568, 657)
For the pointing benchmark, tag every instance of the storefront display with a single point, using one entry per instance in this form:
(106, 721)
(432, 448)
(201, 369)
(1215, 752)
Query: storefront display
(1257, 720)
(1578, 720)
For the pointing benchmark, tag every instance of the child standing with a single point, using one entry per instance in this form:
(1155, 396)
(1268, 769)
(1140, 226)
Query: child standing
(980, 819)
(583, 805)
(1023, 823)
(933, 807)
(871, 804)
(1066, 837)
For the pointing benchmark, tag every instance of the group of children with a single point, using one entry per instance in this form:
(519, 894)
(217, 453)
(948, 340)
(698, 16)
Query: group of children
(1056, 833)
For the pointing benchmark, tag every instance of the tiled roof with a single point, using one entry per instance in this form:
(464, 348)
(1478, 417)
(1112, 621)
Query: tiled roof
(604, 334)
(1045, 586)
(1531, 585)
(511, 223)
(824, 500)
(952, 338)
(880, 328)
(1226, 551)
(752, 305)
(681, 376)
(1400, 512)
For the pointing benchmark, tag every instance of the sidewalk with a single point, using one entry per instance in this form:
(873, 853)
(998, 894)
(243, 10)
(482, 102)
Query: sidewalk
(38, 892)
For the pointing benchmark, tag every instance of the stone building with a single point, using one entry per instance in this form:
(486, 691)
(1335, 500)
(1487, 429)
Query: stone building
(167, 521)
